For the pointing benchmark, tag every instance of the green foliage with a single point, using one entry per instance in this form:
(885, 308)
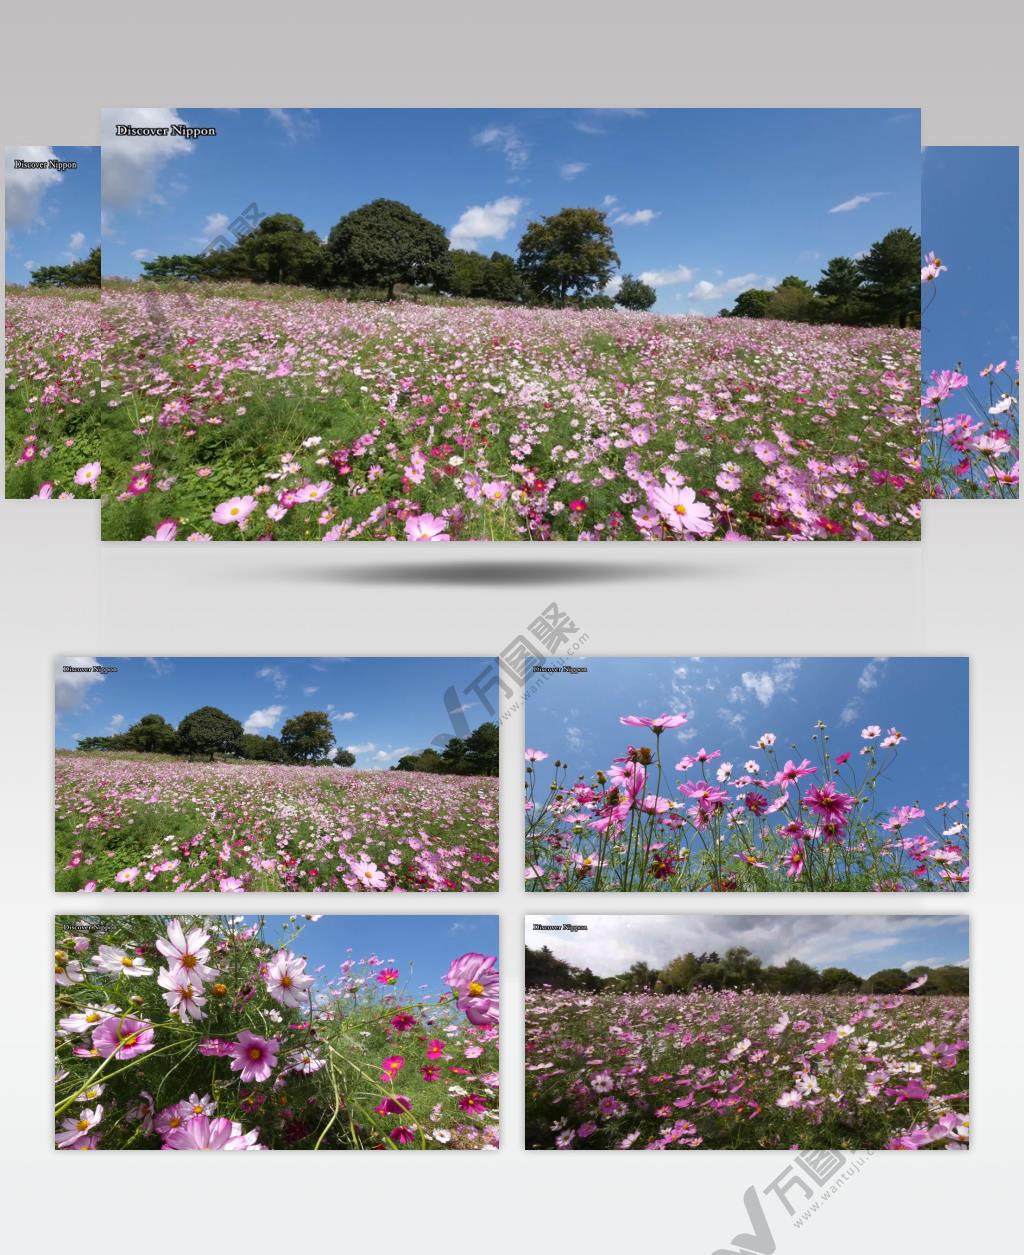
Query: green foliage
(151, 735)
(794, 302)
(208, 731)
(281, 250)
(738, 969)
(891, 274)
(85, 273)
(635, 294)
(308, 737)
(840, 289)
(344, 758)
(752, 304)
(571, 252)
(502, 280)
(474, 755)
(386, 243)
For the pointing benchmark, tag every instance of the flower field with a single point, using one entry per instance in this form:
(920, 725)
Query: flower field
(743, 1071)
(213, 414)
(187, 1034)
(769, 826)
(147, 822)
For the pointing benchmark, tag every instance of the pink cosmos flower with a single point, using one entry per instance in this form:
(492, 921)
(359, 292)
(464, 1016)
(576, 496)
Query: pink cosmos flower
(165, 531)
(426, 527)
(187, 952)
(88, 474)
(75, 1128)
(473, 978)
(287, 980)
(402, 1135)
(388, 976)
(184, 994)
(535, 756)
(235, 510)
(680, 508)
(791, 773)
(122, 1037)
(395, 1105)
(202, 1133)
(794, 861)
(828, 802)
(657, 725)
(368, 875)
(253, 1056)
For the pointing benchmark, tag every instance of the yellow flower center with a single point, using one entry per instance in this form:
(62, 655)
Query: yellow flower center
(92, 1017)
(476, 989)
(286, 982)
(234, 510)
(82, 1125)
(188, 960)
(679, 508)
(127, 961)
(255, 1053)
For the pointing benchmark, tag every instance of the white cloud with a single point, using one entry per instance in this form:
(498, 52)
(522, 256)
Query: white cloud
(25, 190)
(862, 942)
(344, 716)
(263, 720)
(609, 201)
(310, 690)
(614, 286)
(588, 128)
(506, 139)
(296, 123)
(765, 684)
(461, 710)
(142, 254)
(868, 679)
(133, 164)
(486, 222)
(855, 202)
(160, 665)
(367, 747)
(638, 218)
(71, 689)
(705, 291)
(666, 278)
(215, 225)
(574, 738)
(31, 265)
(116, 723)
(275, 674)
(570, 169)
(76, 244)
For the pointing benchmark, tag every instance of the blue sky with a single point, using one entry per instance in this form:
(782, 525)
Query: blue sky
(703, 202)
(420, 946)
(863, 943)
(52, 217)
(730, 702)
(970, 205)
(381, 708)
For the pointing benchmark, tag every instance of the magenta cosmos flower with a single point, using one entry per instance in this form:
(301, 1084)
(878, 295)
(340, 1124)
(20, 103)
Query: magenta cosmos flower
(88, 474)
(657, 725)
(680, 509)
(202, 1133)
(255, 1057)
(473, 979)
(828, 802)
(123, 1037)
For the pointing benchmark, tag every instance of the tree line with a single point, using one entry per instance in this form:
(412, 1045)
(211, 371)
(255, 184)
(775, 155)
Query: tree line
(474, 755)
(306, 740)
(739, 969)
(565, 258)
(880, 288)
(85, 273)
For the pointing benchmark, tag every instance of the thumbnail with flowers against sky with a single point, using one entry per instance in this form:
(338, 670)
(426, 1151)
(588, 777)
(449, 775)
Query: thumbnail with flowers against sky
(314, 1032)
(747, 1032)
(436, 325)
(747, 775)
(275, 774)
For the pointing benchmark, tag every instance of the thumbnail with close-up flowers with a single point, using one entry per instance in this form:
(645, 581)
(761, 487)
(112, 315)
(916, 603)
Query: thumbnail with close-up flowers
(747, 775)
(316, 1032)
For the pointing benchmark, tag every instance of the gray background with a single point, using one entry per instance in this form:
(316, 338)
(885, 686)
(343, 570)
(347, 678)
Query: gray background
(957, 593)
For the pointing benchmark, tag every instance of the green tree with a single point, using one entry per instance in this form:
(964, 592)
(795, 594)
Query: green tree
(677, 976)
(281, 250)
(386, 243)
(344, 757)
(307, 737)
(468, 273)
(152, 734)
(481, 750)
(571, 252)
(208, 731)
(890, 980)
(502, 280)
(891, 274)
(839, 286)
(635, 294)
(84, 273)
(793, 302)
(839, 980)
(752, 304)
